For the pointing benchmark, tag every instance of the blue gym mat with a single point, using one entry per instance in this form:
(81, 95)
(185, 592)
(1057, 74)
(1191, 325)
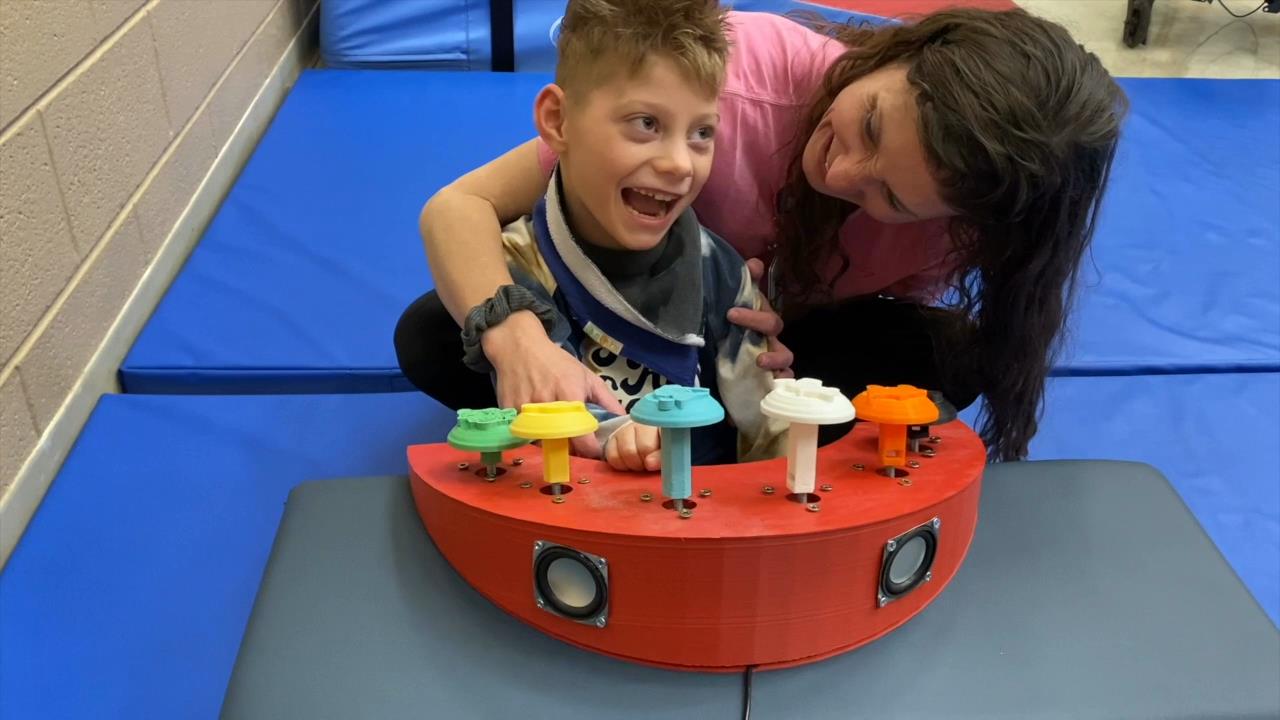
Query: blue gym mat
(1185, 269)
(129, 592)
(440, 35)
(458, 34)
(1213, 436)
(298, 283)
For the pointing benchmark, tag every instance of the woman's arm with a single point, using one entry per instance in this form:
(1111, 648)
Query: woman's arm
(462, 229)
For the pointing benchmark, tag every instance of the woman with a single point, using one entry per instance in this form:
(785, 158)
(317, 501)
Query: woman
(922, 195)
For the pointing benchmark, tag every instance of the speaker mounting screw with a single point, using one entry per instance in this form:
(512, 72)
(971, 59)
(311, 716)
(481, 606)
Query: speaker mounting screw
(542, 605)
(600, 622)
(526, 484)
(935, 439)
(928, 452)
(928, 576)
(463, 466)
(913, 464)
(538, 545)
(685, 513)
(705, 492)
(904, 482)
(518, 462)
(584, 481)
(825, 488)
(882, 600)
(891, 545)
(814, 507)
(645, 497)
(558, 499)
(600, 562)
(937, 523)
(859, 466)
(768, 489)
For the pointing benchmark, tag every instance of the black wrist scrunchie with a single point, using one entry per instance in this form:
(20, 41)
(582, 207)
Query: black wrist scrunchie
(508, 299)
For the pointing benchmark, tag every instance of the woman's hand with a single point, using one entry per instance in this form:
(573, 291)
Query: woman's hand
(530, 368)
(768, 323)
(634, 447)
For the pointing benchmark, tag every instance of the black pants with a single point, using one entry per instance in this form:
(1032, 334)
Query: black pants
(850, 345)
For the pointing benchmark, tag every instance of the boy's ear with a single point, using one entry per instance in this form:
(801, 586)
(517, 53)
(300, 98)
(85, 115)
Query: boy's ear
(549, 117)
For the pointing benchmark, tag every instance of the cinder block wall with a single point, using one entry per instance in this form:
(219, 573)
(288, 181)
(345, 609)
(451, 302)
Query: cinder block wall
(112, 115)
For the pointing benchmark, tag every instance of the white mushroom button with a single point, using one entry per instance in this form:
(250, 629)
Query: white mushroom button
(805, 403)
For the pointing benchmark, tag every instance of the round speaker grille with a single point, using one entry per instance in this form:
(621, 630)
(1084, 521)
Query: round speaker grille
(569, 582)
(909, 562)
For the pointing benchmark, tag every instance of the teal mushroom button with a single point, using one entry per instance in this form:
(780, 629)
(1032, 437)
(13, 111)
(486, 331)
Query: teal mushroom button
(676, 409)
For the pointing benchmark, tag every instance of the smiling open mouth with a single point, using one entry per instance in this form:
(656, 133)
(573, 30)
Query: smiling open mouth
(649, 203)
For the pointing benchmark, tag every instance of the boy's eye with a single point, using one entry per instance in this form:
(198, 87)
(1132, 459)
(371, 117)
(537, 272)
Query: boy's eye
(645, 123)
(704, 133)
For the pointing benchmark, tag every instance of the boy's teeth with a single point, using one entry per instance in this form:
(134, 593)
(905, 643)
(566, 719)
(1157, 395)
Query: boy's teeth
(647, 202)
(656, 195)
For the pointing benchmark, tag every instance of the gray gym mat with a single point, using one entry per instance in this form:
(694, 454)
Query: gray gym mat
(1089, 591)
(359, 616)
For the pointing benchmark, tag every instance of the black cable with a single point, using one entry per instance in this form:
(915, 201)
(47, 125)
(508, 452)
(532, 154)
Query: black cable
(1232, 14)
(746, 692)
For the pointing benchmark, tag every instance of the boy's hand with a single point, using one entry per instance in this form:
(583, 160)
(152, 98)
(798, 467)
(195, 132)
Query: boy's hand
(530, 369)
(634, 447)
(768, 323)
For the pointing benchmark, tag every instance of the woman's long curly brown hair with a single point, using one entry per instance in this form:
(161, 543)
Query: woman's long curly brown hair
(1019, 124)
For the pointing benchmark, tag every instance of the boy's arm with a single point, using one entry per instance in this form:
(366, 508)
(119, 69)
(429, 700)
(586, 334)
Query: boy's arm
(743, 383)
(609, 426)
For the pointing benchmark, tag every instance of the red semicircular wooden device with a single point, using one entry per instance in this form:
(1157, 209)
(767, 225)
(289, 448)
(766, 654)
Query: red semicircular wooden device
(757, 566)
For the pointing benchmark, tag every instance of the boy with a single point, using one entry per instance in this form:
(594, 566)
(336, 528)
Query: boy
(612, 260)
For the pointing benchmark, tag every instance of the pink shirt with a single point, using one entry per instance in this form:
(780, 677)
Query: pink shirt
(775, 66)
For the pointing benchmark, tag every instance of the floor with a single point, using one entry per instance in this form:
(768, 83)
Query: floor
(1186, 38)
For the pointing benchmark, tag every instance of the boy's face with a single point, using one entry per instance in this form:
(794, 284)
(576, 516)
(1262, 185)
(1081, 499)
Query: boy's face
(636, 152)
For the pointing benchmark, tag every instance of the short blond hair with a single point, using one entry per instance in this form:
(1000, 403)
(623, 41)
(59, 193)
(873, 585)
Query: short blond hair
(601, 38)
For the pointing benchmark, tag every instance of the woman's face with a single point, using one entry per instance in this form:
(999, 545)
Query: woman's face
(867, 150)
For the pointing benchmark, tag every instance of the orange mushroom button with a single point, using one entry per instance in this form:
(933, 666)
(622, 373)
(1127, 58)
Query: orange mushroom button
(894, 408)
